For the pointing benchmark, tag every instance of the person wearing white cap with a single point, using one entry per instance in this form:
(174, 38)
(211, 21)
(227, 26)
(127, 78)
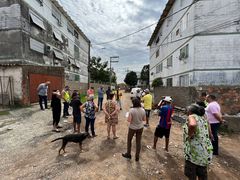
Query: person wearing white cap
(164, 126)
(147, 104)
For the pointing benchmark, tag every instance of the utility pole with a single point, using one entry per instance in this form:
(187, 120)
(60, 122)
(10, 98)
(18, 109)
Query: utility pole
(112, 61)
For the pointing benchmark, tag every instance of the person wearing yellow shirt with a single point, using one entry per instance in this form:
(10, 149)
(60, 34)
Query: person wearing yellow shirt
(66, 100)
(147, 104)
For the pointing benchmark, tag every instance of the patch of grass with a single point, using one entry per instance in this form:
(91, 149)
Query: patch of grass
(2, 113)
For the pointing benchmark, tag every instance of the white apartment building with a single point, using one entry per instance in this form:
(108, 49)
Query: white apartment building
(197, 43)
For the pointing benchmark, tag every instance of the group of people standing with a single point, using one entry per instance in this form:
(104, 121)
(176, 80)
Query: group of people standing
(200, 131)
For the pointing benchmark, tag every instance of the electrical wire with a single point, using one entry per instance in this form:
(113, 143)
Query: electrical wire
(208, 30)
(146, 27)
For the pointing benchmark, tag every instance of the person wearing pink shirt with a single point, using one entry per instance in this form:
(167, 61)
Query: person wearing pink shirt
(214, 117)
(90, 92)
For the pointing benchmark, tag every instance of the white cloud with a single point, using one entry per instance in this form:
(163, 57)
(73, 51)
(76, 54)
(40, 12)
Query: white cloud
(104, 20)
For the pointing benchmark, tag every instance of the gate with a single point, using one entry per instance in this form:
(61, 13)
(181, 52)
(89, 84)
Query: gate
(36, 79)
(6, 91)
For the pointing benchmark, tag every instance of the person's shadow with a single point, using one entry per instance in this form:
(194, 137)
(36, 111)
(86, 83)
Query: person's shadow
(106, 149)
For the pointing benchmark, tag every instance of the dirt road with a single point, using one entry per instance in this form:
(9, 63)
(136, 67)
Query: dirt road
(26, 151)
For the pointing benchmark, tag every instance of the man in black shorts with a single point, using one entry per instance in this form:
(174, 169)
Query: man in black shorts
(164, 126)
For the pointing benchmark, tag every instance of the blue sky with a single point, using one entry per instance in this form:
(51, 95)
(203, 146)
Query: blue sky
(105, 20)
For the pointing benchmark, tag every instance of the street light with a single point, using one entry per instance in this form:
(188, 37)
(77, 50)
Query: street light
(112, 61)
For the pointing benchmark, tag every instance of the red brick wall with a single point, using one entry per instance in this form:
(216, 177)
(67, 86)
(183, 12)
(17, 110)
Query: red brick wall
(228, 97)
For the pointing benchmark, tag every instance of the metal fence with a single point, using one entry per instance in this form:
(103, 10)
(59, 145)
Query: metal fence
(6, 91)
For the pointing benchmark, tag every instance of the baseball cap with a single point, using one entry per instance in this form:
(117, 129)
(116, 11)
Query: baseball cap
(146, 90)
(168, 99)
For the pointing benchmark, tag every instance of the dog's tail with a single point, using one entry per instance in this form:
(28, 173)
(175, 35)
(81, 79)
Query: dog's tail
(57, 139)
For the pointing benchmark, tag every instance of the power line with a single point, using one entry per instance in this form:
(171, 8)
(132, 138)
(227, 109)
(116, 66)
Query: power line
(146, 27)
(226, 5)
(219, 26)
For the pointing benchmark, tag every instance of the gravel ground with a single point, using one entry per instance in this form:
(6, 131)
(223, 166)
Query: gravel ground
(27, 152)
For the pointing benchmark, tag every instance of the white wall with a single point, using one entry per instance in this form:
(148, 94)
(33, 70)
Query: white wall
(216, 48)
(170, 43)
(16, 73)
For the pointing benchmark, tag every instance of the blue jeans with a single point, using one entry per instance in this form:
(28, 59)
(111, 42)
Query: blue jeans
(100, 101)
(42, 98)
(65, 108)
(91, 122)
(214, 128)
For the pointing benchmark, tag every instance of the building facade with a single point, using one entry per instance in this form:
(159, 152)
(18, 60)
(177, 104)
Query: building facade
(40, 32)
(197, 43)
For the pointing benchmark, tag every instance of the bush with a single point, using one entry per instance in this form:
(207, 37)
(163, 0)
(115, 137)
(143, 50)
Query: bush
(157, 82)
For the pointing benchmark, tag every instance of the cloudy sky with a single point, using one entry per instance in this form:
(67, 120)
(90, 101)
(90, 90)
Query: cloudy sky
(106, 20)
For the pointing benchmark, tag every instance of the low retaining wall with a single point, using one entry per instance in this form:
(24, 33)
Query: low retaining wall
(227, 96)
(233, 123)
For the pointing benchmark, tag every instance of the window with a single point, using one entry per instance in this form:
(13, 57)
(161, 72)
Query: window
(76, 34)
(184, 52)
(70, 29)
(76, 52)
(169, 61)
(169, 82)
(57, 15)
(177, 32)
(184, 80)
(40, 2)
(157, 53)
(159, 68)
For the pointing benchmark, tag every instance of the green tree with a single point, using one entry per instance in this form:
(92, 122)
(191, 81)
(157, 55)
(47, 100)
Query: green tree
(145, 74)
(99, 72)
(157, 82)
(131, 79)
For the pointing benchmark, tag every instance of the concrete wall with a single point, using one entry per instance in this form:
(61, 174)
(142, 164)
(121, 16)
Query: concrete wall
(227, 96)
(182, 96)
(45, 12)
(10, 35)
(16, 73)
(81, 87)
(16, 30)
(232, 123)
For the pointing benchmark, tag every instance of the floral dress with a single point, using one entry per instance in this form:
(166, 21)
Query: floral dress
(198, 150)
(110, 107)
